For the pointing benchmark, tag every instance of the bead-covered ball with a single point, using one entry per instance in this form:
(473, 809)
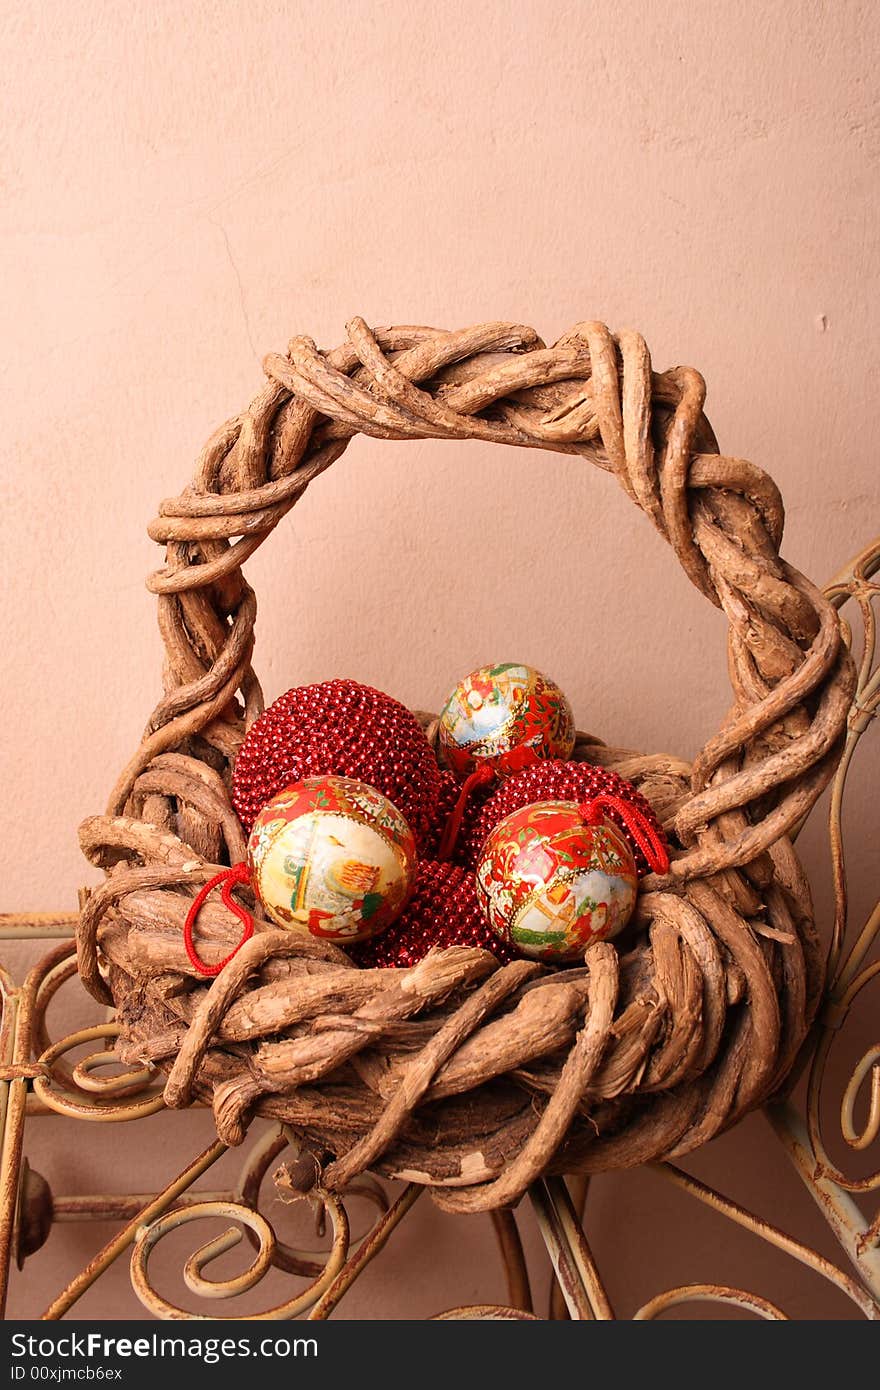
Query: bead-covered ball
(343, 729)
(550, 884)
(443, 911)
(508, 716)
(447, 797)
(332, 857)
(557, 781)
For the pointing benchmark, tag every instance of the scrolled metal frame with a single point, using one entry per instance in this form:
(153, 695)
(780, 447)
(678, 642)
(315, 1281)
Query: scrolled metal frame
(36, 1079)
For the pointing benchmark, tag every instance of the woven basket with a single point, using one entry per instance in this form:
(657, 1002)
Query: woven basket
(468, 1076)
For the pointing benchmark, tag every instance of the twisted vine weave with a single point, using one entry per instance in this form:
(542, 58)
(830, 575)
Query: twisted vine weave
(462, 1073)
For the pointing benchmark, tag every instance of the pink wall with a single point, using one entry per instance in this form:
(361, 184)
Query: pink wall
(185, 186)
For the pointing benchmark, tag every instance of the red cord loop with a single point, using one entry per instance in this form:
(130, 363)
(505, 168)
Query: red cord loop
(637, 823)
(239, 873)
(481, 776)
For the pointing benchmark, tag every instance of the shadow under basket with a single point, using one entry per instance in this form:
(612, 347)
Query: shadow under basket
(460, 1073)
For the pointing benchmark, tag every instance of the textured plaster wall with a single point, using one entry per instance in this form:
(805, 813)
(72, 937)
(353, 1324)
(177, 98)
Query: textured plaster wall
(183, 186)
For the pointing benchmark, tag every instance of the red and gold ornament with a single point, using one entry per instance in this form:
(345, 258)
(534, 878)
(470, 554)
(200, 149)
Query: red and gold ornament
(327, 856)
(443, 911)
(344, 729)
(557, 781)
(333, 857)
(505, 716)
(555, 876)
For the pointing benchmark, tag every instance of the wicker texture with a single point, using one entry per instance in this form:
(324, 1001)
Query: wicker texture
(468, 1075)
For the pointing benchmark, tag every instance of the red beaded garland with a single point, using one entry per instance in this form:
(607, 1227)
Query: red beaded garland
(339, 728)
(446, 799)
(443, 911)
(554, 781)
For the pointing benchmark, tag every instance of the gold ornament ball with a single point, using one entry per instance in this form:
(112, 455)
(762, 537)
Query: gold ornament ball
(333, 857)
(507, 716)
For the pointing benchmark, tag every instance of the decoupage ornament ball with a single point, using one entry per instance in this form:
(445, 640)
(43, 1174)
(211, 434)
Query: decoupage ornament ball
(443, 911)
(333, 857)
(554, 780)
(339, 728)
(550, 883)
(506, 716)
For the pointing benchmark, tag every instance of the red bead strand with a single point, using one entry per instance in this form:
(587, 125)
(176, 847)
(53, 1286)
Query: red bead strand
(446, 800)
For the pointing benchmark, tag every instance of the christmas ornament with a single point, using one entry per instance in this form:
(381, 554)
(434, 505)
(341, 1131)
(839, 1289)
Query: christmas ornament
(555, 876)
(333, 856)
(443, 911)
(506, 716)
(329, 856)
(556, 781)
(343, 729)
